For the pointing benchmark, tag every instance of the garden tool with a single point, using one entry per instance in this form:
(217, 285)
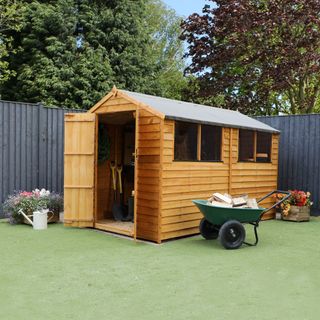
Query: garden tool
(117, 208)
(119, 171)
(114, 179)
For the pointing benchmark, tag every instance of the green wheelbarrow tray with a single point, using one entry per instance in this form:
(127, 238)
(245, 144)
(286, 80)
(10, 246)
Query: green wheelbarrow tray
(219, 215)
(216, 218)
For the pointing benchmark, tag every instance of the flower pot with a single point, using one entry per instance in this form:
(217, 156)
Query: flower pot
(297, 214)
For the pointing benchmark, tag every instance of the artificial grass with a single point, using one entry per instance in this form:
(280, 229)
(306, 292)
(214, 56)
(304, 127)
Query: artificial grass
(64, 273)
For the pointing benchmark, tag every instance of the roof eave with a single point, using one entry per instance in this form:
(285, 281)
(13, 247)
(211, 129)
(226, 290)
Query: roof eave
(221, 124)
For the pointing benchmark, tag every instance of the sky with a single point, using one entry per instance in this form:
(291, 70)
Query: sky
(186, 7)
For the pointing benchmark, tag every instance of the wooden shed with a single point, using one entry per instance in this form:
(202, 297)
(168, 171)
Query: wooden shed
(170, 152)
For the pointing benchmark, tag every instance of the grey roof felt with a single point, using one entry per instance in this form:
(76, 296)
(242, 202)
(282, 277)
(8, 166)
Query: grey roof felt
(191, 112)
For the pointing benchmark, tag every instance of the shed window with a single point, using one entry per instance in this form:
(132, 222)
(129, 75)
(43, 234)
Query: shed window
(210, 143)
(185, 141)
(254, 146)
(246, 145)
(263, 147)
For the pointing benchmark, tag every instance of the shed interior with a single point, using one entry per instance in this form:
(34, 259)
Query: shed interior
(115, 174)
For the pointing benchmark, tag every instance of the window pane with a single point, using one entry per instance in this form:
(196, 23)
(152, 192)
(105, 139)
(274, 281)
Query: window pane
(263, 147)
(246, 145)
(185, 141)
(210, 143)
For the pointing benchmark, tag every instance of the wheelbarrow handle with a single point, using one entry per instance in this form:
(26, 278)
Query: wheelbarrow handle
(287, 193)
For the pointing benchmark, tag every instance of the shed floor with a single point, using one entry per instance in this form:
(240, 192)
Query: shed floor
(120, 227)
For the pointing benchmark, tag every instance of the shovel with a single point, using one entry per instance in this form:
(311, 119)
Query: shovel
(117, 209)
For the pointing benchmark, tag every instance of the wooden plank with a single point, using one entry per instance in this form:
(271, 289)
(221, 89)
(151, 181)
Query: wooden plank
(120, 227)
(194, 174)
(115, 108)
(148, 188)
(230, 163)
(149, 128)
(257, 178)
(79, 174)
(114, 101)
(149, 120)
(194, 180)
(180, 226)
(148, 204)
(149, 158)
(147, 235)
(147, 211)
(179, 233)
(183, 209)
(136, 174)
(148, 181)
(204, 194)
(160, 191)
(186, 165)
(149, 136)
(181, 218)
(148, 151)
(148, 173)
(143, 225)
(149, 143)
(210, 188)
(150, 196)
(199, 143)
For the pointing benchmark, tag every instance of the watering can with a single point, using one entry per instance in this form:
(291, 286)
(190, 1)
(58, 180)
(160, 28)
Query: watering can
(40, 219)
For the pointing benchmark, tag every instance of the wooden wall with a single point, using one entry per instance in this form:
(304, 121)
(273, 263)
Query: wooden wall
(185, 181)
(148, 143)
(148, 175)
(255, 179)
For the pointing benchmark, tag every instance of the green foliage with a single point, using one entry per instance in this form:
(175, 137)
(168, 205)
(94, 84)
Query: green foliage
(73, 52)
(166, 50)
(10, 13)
(261, 56)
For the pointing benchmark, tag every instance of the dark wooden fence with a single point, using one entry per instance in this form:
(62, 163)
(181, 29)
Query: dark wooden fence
(31, 144)
(299, 153)
(32, 139)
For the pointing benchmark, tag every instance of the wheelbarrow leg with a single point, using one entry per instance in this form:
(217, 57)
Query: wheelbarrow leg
(256, 225)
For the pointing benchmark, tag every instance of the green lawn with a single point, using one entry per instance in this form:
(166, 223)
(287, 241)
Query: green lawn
(66, 273)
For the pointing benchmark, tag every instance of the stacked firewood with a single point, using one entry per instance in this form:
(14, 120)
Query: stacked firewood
(227, 201)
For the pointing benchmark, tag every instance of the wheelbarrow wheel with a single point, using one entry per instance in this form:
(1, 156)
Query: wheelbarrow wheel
(232, 234)
(208, 230)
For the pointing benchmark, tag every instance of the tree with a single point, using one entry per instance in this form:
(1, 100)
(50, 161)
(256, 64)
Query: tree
(52, 66)
(73, 52)
(166, 50)
(261, 56)
(10, 13)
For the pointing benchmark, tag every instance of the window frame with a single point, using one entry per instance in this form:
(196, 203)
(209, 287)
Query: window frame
(199, 136)
(255, 141)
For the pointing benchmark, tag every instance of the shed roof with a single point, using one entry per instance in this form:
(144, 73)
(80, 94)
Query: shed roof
(191, 112)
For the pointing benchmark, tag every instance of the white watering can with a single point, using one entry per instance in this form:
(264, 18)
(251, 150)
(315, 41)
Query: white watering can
(40, 219)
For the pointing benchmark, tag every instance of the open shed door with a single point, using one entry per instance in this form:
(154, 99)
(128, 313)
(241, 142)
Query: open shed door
(79, 169)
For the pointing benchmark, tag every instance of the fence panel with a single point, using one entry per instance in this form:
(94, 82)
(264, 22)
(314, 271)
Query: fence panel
(31, 144)
(299, 153)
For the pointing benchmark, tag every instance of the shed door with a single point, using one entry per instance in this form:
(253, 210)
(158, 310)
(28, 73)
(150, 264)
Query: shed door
(79, 169)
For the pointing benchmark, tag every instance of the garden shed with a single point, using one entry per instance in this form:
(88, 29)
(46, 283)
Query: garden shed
(165, 153)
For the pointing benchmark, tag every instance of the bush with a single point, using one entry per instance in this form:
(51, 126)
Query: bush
(29, 202)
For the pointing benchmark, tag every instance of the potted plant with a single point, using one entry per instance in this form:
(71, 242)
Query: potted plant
(297, 207)
(32, 201)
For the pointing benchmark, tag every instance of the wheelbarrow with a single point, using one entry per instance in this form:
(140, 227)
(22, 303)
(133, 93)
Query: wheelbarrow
(227, 223)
